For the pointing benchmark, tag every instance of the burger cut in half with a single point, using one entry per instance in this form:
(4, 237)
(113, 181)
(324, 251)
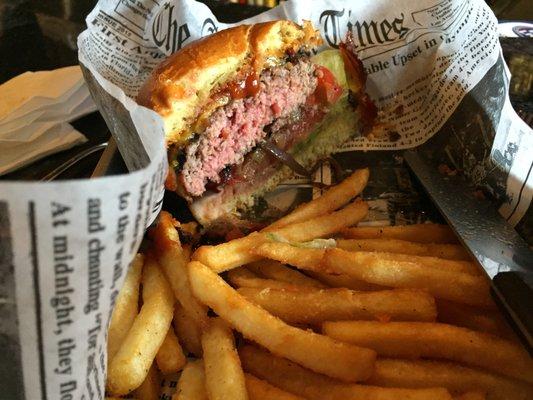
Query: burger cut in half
(247, 107)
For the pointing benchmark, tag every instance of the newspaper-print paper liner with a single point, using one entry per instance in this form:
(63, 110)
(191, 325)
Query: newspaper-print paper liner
(65, 246)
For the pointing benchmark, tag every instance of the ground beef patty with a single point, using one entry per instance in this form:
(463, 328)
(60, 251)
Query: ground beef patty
(236, 128)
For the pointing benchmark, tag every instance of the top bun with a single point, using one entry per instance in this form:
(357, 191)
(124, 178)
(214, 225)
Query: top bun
(182, 84)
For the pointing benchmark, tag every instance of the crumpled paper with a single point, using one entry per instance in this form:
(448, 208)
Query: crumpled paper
(34, 114)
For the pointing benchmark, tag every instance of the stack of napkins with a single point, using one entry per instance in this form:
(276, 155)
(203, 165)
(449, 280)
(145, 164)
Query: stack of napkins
(35, 109)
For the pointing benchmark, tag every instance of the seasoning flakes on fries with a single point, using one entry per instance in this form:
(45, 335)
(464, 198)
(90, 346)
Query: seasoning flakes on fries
(130, 365)
(455, 377)
(238, 252)
(296, 379)
(314, 306)
(446, 251)
(435, 340)
(224, 375)
(321, 306)
(259, 389)
(317, 352)
(421, 233)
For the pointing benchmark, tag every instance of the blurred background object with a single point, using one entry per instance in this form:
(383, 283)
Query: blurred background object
(512, 9)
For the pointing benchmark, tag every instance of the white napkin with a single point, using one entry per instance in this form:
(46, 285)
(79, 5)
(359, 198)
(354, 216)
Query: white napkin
(35, 109)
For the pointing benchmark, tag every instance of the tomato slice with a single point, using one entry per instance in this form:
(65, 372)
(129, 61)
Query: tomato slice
(328, 90)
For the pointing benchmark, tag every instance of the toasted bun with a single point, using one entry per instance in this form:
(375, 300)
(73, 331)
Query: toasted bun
(182, 84)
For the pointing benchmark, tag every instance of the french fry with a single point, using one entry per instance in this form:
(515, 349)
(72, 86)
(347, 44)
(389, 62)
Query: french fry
(454, 377)
(151, 386)
(472, 395)
(313, 306)
(129, 367)
(174, 264)
(299, 257)
(275, 270)
(187, 251)
(317, 352)
(241, 273)
(443, 264)
(187, 331)
(119, 398)
(236, 252)
(311, 261)
(170, 357)
(448, 251)
(421, 233)
(295, 379)
(191, 384)
(223, 372)
(259, 389)
(324, 225)
(126, 307)
(344, 281)
(370, 267)
(334, 198)
(473, 318)
(435, 340)
(243, 277)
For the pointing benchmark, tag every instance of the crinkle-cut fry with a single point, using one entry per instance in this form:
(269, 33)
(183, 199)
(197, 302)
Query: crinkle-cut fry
(447, 251)
(436, 340)
(223, 371)
(128, 369)
(334, 198)
(295, 379)
(443, 264)
(191, 384)
(237, 252)
(421, 233)
(187, 331)
(259, 389)
(454, 377)
(473, 318)
(312, 350)
(372, 268)
(344, 281)
(314, 306)
(471, 395)
(243, 277)
(173, 262)
(126, 307)
(272, 269)
(151, 386)
(170, 357)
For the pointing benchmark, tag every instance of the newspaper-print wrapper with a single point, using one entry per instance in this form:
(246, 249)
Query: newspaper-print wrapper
(434, 69)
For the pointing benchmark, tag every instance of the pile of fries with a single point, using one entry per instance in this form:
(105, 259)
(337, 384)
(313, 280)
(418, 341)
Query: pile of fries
(314, 307)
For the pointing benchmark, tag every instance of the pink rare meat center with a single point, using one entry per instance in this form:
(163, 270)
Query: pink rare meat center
(235, 129)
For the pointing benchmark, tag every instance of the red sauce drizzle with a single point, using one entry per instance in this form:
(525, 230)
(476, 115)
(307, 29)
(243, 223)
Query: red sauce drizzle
(247, 87)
